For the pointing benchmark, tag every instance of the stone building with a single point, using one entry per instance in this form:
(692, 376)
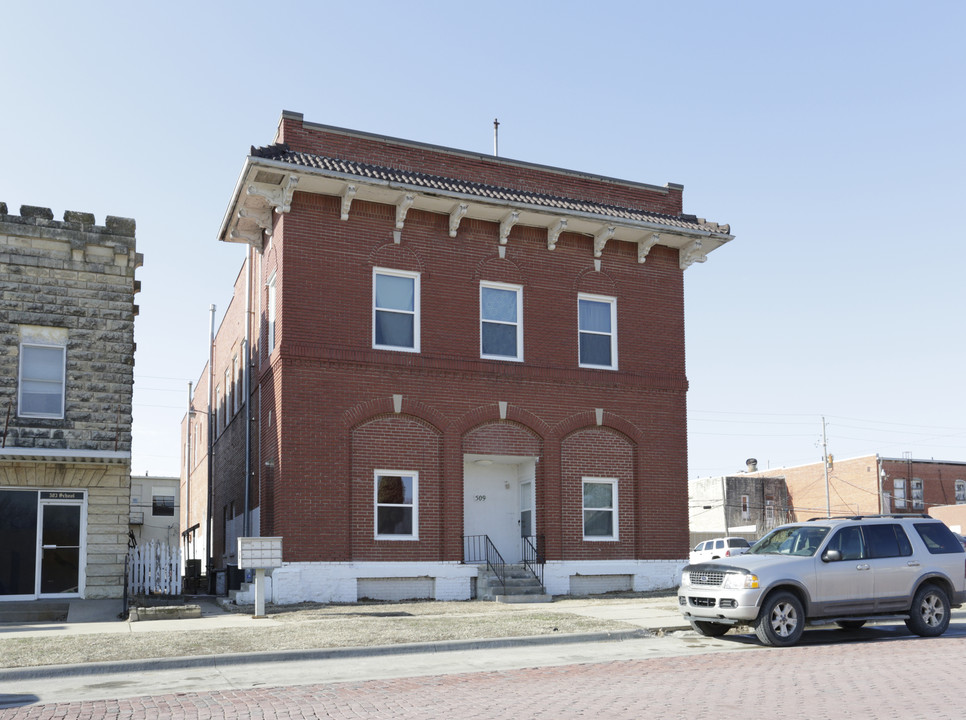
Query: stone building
(432, 356)
(66, 379)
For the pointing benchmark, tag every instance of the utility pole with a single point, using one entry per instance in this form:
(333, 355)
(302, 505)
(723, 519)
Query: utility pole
(828, 499)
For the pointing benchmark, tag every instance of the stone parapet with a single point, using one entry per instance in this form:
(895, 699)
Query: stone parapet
(75, 278)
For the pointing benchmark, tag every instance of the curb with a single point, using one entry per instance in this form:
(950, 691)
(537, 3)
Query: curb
(129, 666)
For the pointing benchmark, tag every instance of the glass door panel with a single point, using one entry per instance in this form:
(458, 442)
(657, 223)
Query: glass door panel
(18, 542)
(60, 545)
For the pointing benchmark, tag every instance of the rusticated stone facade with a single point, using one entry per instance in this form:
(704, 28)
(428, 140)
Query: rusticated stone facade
(66, 294)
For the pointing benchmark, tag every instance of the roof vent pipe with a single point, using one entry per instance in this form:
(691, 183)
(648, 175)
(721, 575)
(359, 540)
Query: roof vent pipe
(751, 464)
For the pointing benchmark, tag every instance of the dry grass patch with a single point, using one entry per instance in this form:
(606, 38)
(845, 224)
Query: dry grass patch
(309, 628)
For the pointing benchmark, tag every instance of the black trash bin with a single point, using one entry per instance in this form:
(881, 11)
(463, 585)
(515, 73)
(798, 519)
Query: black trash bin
(235, 577)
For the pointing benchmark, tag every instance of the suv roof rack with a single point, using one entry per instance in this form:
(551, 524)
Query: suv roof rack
(866, 517)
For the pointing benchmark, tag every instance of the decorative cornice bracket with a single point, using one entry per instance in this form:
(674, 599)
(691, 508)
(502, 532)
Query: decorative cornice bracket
(691, 253)
(253, 239)
(553, 233)
(455, 215)
(645, 244)
(402, 208)
(260, 216)
(279, 198)
(347, 195)
(601, 238)
(507, 223)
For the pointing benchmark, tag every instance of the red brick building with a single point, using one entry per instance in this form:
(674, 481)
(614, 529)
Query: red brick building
(443, 346)
(869, 485)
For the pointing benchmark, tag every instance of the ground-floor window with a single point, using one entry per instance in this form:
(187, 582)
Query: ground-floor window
(396, 508)
(42, 542)
(600, 508)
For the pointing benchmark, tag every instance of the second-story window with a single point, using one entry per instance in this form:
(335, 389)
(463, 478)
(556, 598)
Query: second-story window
(395, 310)
(236, 381)
(270, 312)
(42, 373)
(228, 390)
(597, 330)
(501, 321)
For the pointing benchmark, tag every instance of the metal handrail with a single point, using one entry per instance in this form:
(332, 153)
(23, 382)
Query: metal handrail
(480, 549)
(533, 555)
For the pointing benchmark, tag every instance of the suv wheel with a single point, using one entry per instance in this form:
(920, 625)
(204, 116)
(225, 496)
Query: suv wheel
(929, 616)
(781, 620)
(709, 629)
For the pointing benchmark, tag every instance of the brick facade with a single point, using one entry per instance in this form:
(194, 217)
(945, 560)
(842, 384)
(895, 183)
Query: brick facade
(329, 410)
(68, 287)
(867, 485)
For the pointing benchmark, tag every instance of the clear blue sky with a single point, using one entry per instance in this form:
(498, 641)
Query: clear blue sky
(830, 135)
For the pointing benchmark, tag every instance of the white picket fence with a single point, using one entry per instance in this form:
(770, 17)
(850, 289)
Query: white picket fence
(154, 569)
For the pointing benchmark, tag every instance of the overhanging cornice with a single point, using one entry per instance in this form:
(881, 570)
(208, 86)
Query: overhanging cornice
(266, 185)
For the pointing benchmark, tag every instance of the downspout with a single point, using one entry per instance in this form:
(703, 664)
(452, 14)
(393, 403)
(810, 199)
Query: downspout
(246, 354)
(211, 443)
(187, 471)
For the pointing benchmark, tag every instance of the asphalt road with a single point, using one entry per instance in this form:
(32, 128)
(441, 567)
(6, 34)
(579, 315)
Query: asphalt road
(880, 671)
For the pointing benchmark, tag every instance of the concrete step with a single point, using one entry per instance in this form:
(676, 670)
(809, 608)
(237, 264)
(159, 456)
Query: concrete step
(536, 598)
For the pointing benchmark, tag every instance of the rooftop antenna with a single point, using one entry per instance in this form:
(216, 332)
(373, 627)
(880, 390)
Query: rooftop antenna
(496, 137)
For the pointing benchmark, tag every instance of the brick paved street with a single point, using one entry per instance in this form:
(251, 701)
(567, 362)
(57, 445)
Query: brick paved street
(900, 678)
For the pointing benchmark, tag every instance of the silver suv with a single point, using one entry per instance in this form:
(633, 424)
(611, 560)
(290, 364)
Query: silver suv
(847, 571)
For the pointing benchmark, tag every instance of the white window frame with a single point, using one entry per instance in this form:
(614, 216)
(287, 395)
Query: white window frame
(228, 394)
(960, 492)
(615, 526)
(899, 493)
(270, 314)
(916, 490)
(63, 380)
(606, 299)
(236, 381)
(218, 411)
(376, 504)
(518, 289)
(415, 312)
(745, 507)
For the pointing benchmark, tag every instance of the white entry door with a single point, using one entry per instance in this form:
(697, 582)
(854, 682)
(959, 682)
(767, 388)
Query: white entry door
(491, 505)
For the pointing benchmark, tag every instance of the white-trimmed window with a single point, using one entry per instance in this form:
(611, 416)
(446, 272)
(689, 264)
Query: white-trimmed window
(236, 381)
(899, 493)
(395, 310)
(960, 492)
(270, 314)
(228, 389)
(597, 331)
(219, 408)
(162, 502)
(501, 321)
(396, 505)
(600, 508)
(745, 507)
(916, 486)
(42, 380)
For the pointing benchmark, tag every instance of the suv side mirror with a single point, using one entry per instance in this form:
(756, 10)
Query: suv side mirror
(831, 556)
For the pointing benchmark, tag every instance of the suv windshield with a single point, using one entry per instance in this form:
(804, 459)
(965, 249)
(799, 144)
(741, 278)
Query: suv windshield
(800, 540)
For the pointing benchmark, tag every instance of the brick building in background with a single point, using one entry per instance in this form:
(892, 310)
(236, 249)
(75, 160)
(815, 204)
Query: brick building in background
(870, 485)
(66, 381)
(429, 348)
